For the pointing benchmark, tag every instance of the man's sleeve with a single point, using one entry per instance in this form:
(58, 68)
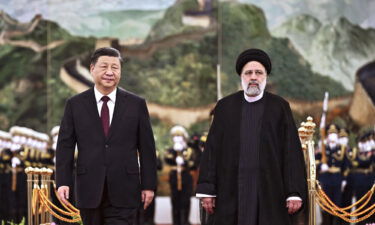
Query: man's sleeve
(146, 149)
(294, 165)
(207, 173)
(199, 195)
(65, 149)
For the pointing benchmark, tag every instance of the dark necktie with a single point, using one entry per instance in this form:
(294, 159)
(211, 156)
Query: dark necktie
(104, 115)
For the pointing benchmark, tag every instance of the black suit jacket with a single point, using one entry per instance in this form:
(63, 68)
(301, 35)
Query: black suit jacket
(113, 158)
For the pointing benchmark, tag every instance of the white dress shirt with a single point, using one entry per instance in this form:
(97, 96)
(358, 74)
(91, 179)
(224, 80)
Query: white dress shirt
(253, 99)
(248, 99)
(110, 103)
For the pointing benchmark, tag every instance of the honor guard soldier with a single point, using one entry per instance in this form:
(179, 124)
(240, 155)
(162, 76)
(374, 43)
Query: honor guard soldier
(27, 147)
(48, 157)
(23, 142)
(42, 146)
(331, 177)
(193, 143)
(318, 157)
(18, 193)
(363, 176)
(180, 157)
(199, 148)
(5, 176)
(349, 159)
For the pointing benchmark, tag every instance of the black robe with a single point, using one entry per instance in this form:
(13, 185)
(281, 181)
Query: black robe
(248, 169)
(281, 164)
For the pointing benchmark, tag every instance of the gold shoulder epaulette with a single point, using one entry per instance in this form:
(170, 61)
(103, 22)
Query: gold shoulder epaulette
(169, 155)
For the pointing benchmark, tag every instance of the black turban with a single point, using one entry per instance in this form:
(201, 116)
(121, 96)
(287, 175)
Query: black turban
(253, 54)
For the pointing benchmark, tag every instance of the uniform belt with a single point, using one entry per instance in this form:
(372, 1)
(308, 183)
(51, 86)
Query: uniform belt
(334, 169)
(19, 170)
(361, 170)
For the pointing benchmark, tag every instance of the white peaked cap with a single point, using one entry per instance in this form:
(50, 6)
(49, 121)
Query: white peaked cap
(5, 135)
(15, 130)
(55, 130)
(179, 130)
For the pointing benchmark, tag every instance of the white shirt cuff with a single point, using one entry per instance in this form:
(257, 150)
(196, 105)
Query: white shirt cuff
(199, 195)
(294, 198)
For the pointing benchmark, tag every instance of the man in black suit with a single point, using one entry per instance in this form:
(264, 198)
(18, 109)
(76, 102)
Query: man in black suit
(116, 163)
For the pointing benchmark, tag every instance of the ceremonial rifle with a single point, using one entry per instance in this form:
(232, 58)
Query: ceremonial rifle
(322, 127)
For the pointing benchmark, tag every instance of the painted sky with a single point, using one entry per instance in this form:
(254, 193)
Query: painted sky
(98, 18)
(80, 17)
(57, 10)
(359, 12)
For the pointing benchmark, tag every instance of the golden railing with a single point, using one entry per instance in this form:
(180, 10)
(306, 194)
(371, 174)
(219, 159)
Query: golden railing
(306, 132)
(361, 213)
(40, 207)
(316, 193)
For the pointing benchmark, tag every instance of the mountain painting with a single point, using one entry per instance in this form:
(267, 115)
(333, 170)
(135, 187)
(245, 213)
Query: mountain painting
(180, 55)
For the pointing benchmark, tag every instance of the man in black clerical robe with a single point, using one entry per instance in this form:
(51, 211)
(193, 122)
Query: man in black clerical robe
(252, 170)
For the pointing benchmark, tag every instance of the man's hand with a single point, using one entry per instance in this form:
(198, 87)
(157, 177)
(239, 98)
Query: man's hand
(208, 203)
(147, 196)
(63, 193)
(293, 205)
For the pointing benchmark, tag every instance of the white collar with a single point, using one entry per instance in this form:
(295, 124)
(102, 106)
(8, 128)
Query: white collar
(253, 99)
(98, 95)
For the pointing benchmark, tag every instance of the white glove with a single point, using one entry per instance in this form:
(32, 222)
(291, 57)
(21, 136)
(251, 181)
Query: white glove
(15, 162)
(178, 146)
(179, 160)
(324, 168)
(343, 184)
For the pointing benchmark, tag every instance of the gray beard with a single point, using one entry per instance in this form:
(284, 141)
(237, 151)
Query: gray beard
(253, 90)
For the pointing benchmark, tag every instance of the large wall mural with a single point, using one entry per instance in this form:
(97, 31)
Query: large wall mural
(176, 50)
